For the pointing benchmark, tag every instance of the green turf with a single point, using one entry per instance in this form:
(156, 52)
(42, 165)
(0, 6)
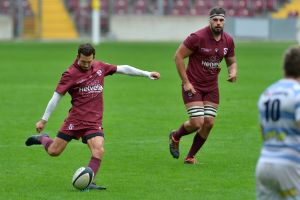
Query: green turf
(139, 113)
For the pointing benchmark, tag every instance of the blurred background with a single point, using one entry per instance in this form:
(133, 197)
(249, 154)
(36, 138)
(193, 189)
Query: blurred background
(145, 20)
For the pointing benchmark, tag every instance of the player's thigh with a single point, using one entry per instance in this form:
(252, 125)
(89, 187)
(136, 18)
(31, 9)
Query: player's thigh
(210, 112)
(195, 110)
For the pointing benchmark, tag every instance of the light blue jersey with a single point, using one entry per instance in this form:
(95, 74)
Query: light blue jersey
(279, 108)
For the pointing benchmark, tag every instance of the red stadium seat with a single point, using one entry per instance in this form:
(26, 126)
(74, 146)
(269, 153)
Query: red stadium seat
(231, 12)
(202, 7)
(121, 7)
(241, 4)
(271, 5)
(228, 4)
(258, 6)
(105, 7)
(181, 7)
(244, 13)
(140, 7)
(4, 6)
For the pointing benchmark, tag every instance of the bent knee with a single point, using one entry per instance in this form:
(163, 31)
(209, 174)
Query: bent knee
(98, 152)
(197, 123)
(209, 122)
(54, 152)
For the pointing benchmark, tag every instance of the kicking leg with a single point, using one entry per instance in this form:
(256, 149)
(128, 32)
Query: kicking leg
(52, 147)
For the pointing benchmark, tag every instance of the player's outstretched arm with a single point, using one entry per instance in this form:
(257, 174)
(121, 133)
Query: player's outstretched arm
(40, 125)
(129, 70)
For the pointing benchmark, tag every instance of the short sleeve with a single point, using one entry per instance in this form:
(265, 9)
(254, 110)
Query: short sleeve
(297, 107)
(231, 47)
(109, 69)
(65, 83)
(191, 42)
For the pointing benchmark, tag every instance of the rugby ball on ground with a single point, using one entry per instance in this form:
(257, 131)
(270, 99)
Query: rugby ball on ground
(82, 178)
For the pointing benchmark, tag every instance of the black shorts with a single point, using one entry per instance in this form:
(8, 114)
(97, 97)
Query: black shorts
(85, 138)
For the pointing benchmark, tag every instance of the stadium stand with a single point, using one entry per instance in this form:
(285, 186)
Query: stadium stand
(79, 11)
(290, 9)
(8, 7)
(56, 21)
(140, 7)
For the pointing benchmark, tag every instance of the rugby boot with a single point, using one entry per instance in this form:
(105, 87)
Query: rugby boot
(174, 146)
(93, 186)
(190, 161)
(35, 139)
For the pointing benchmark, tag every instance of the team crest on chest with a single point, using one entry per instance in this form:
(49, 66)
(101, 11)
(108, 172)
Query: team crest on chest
(99, 72)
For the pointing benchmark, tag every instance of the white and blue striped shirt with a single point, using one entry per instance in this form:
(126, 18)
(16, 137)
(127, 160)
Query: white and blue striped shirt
(279, 109)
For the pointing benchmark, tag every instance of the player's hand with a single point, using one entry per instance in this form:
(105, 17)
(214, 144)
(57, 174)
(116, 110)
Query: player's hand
(40, 125)
(154, 75)
(188, 87)
(231, 78)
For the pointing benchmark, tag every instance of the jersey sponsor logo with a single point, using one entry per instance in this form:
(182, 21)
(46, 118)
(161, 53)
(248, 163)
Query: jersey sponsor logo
(211, 65)
(92, 88)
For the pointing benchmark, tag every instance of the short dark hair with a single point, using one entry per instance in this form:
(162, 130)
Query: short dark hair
(291, 62)
(217, 11)
(86, 49)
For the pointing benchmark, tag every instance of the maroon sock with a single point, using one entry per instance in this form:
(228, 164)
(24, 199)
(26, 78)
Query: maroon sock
(197, 144)
(94, 164)
(180, 132)
(46, 141)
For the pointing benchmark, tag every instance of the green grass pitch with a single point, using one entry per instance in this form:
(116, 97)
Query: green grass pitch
(139, 113)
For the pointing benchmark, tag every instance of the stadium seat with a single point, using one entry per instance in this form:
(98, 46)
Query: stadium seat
(271, 5)
(231, 12)
(244, 13)
(4, 6)
(241, 4)
(258, 6)
(121, 7)
(200, 7)
(181, 7)
(105, 6)
(227, 4)
(83, 19)
(72, 5)
(140, 7)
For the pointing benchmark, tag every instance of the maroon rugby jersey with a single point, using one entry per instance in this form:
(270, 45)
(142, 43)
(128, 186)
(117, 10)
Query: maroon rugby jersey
(204, 63)
(86, 90)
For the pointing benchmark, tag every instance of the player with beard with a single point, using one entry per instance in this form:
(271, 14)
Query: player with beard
(84, 81)
(205, 49)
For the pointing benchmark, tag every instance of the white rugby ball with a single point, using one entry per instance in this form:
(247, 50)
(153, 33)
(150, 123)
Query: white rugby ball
(82, 178)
